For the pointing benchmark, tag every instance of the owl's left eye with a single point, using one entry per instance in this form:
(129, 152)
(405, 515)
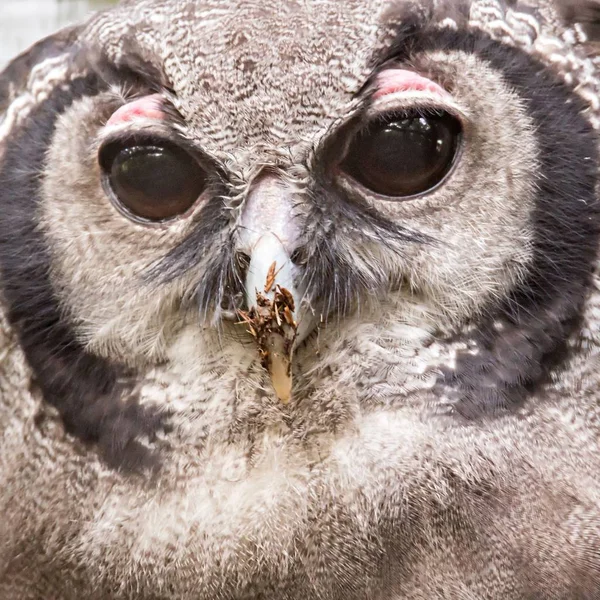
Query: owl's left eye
(153, 181)
(404, 155)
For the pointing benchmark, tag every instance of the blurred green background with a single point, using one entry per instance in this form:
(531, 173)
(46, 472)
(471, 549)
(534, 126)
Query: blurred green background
(23, 22)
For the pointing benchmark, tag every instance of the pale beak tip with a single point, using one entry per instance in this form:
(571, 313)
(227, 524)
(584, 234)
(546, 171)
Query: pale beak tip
(283, 392)
(281, 377)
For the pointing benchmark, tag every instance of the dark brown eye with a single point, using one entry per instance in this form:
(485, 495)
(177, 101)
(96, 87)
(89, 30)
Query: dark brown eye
(404, 155)
(152, 182)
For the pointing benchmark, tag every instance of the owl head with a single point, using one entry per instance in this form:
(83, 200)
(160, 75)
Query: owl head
(252, 201)
(296, 296)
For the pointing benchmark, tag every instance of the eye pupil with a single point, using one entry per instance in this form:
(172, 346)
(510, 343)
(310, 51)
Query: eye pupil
(404, 155)
(153, 182)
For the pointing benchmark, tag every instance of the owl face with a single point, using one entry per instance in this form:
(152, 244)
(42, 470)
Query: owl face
(384, 199)
(288, 162)
(237, 238)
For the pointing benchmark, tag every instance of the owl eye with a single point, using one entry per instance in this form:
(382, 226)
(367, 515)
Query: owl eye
(404, 155)
(152, 181)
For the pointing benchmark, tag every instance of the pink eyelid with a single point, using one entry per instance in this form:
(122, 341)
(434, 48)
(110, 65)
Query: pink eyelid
(148, 107)
(400, 80)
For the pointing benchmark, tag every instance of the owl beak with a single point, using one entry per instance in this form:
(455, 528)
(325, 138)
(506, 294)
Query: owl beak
(268, 234)
(271, 318)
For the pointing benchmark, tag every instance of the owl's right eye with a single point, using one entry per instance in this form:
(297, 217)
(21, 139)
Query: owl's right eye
(151, 181)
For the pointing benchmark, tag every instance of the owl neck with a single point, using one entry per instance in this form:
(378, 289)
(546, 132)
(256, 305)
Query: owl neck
(17, 389)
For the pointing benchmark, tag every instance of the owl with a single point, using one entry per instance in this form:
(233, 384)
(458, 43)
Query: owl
(300, 300)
